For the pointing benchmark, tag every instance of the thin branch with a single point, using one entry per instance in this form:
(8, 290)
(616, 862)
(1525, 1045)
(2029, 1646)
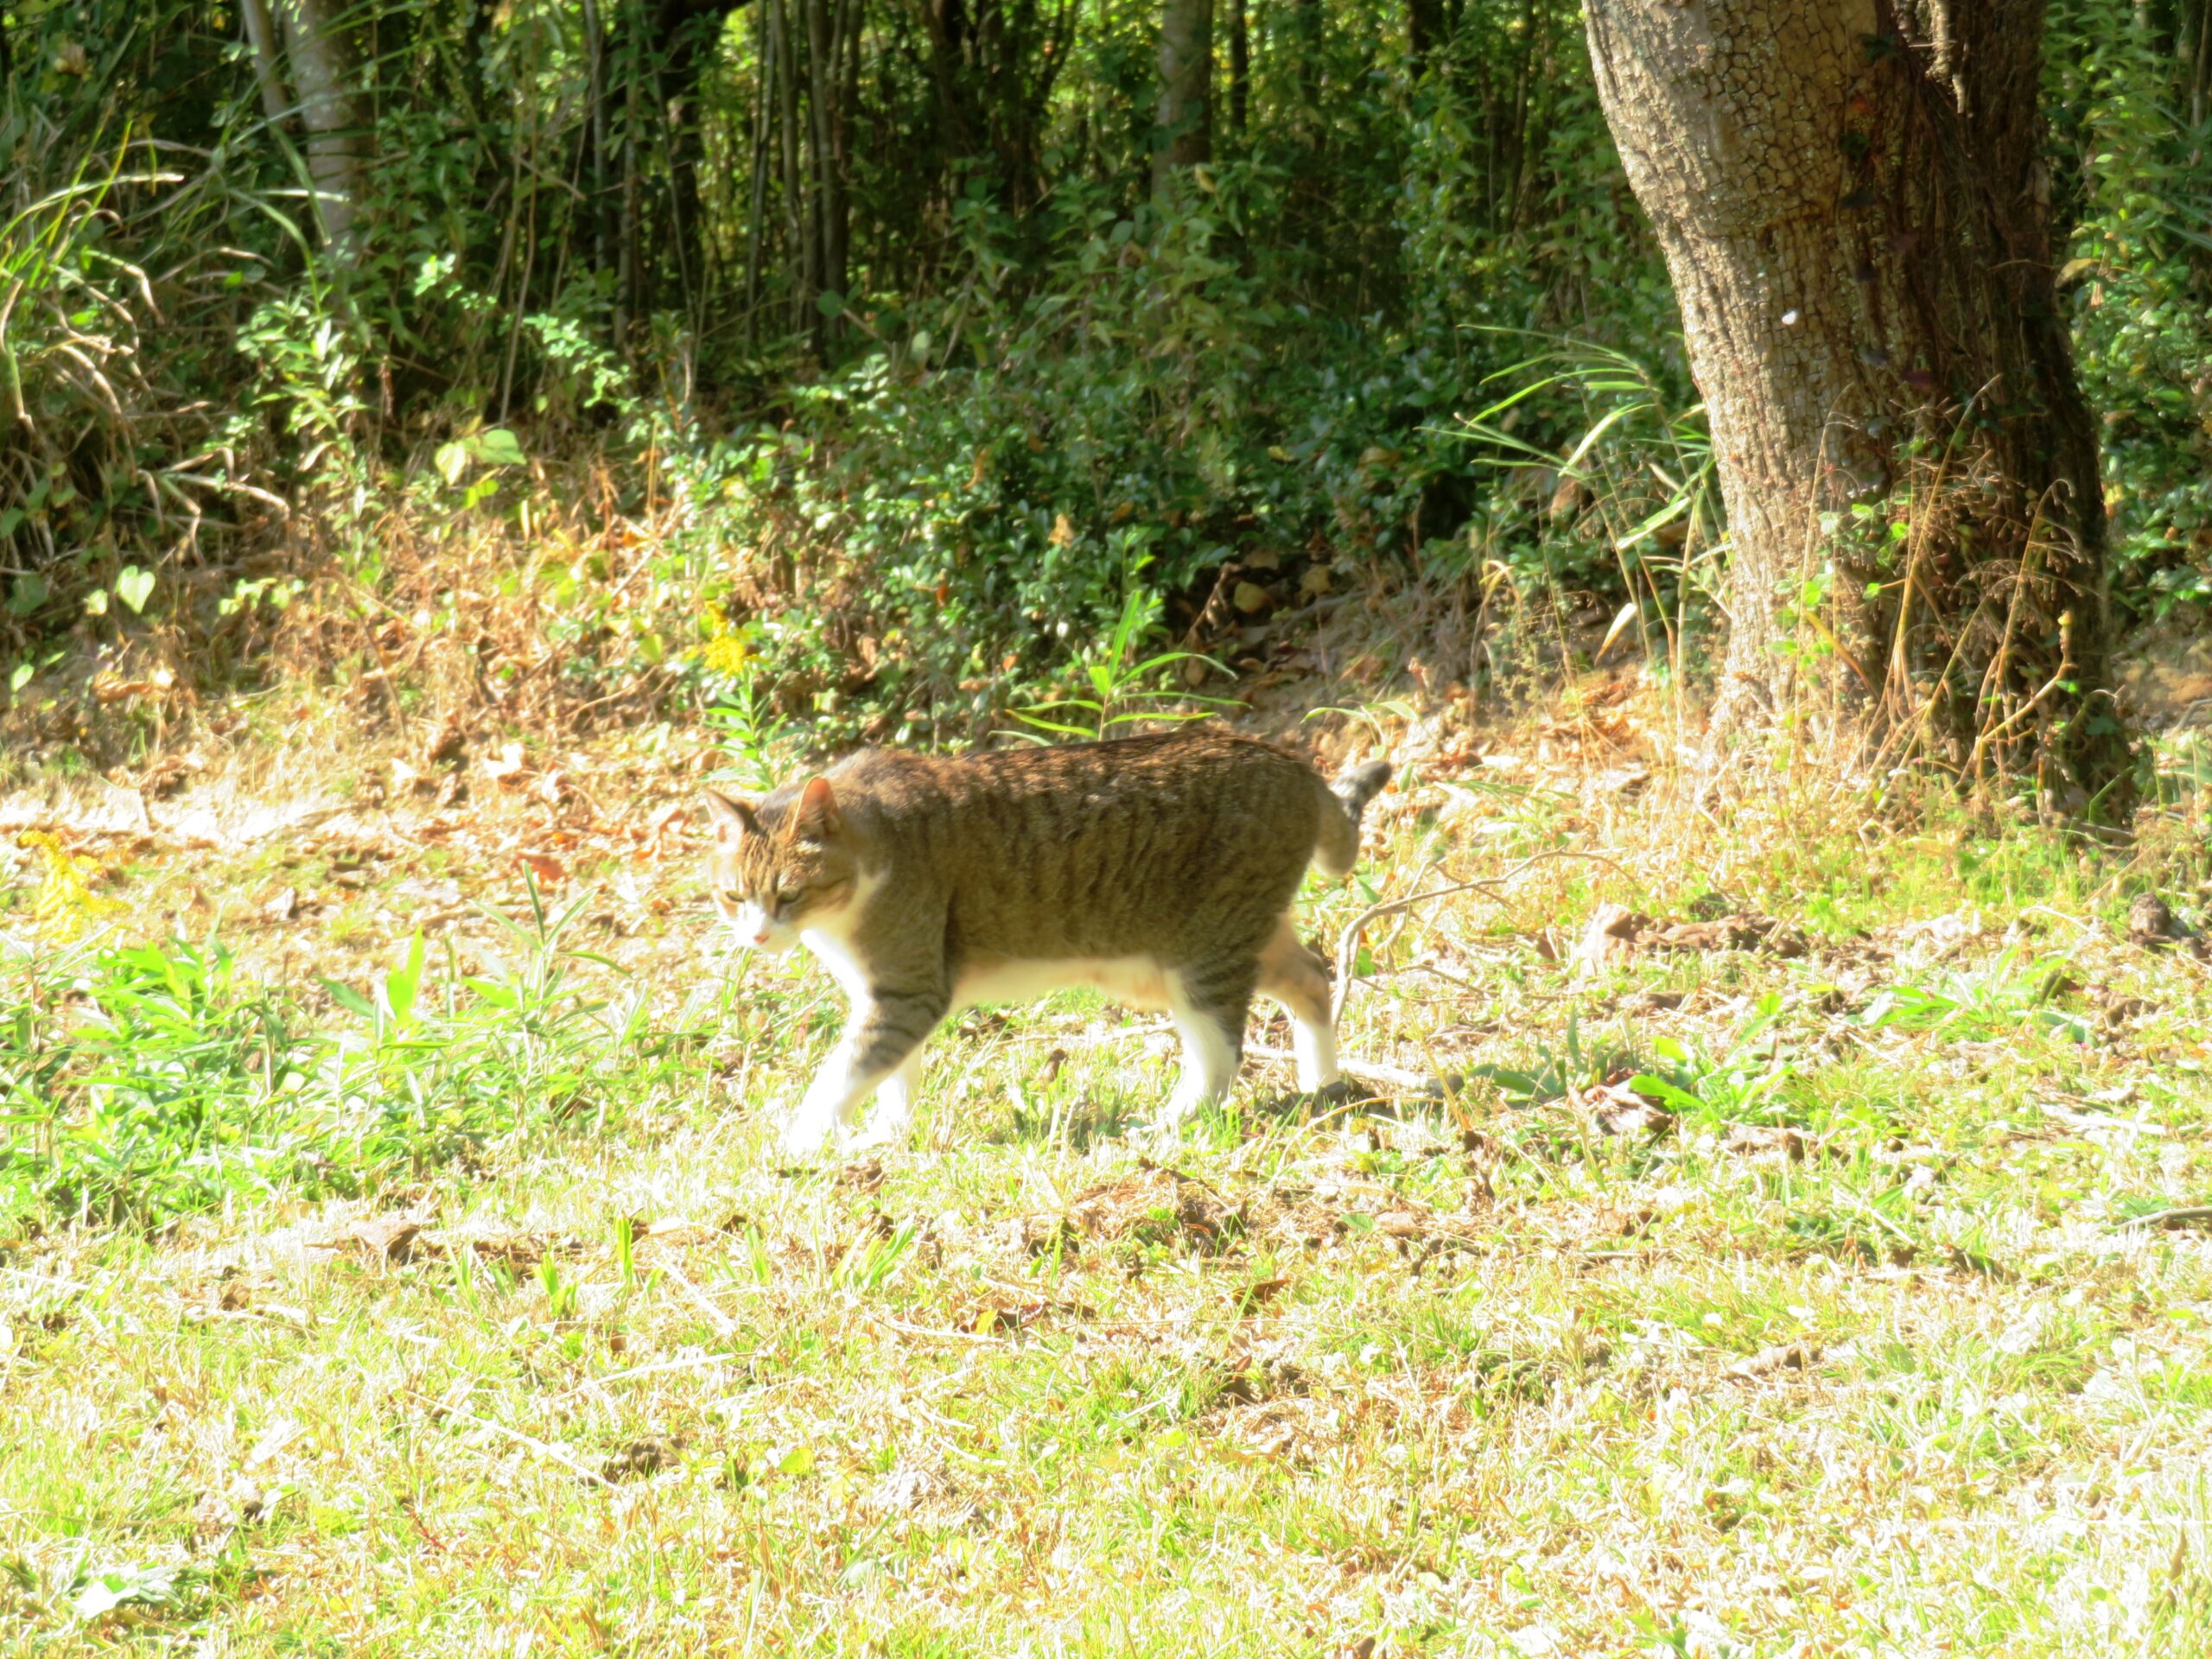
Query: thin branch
(1348, 947)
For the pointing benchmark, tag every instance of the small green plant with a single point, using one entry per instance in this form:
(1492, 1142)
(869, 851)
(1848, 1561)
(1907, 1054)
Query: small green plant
(1982, 1005)
(1120, 689)
(1628, 481)
(1736, 1083)
(561, 1295)
(751, 732)
(176, 1083)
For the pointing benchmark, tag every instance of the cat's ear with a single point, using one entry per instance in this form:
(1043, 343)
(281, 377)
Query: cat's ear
(817, 818)
(733, 820)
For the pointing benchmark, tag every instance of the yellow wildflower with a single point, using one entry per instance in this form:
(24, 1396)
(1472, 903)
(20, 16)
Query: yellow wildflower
(65, 902)
(726, 653)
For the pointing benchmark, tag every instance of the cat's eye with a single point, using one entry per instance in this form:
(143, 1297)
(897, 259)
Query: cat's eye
(787, 896)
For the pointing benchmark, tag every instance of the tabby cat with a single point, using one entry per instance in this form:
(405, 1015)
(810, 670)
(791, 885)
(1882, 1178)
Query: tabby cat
(1160, 870)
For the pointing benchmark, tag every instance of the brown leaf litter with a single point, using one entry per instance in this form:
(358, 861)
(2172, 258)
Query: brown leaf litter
(1615, 933)
(1152, 1204)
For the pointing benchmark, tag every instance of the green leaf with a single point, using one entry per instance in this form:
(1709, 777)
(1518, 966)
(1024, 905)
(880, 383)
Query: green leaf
(135, 587)
(498, 995)
(1658, 1089)
(830, 304)
(21, 677)
(403, 983)
(349, 999)
(498, 448)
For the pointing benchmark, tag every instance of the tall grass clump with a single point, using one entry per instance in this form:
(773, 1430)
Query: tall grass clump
(149, 1081)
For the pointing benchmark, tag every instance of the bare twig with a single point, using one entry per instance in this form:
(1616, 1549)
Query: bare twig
(2188, 1214)
(545, 1449)
(1348, 947)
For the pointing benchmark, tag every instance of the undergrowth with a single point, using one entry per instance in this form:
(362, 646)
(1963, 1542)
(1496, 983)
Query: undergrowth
(148, 1082)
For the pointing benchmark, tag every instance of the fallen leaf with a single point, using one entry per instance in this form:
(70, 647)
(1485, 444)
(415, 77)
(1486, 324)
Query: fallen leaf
(386, 1238)
(549, 870)
(2151, 921)
(1617, 1110)
(1764, 1144)
(646, 1455)
(508, 769)
(1610, 936)
(865, 1176)
(1798, 1355)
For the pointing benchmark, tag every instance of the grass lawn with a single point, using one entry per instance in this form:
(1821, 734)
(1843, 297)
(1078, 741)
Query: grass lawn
(1788, 1272)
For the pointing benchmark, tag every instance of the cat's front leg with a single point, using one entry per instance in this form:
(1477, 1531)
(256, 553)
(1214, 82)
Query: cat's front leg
(882, 1047)
(837, 1090)
(894, 1106)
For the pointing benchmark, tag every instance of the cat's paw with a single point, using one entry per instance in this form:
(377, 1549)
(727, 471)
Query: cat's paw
(803, 1138)
(1160, 1137)
(878, 1137)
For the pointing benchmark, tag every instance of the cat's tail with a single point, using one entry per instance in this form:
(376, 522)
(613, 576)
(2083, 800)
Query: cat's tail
(1347, 799)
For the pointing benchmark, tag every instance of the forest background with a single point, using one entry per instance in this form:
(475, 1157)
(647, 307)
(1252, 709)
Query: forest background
(863, 364)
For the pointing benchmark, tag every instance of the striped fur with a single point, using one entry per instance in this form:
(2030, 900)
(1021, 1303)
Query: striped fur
(1158, 869)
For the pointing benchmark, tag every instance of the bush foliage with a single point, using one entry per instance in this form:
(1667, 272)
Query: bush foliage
(934, 375)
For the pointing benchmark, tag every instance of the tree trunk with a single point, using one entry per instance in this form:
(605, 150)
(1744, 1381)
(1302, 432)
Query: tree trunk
(327, 70)
(1424, 29)
(1305, 32)
(2200, 80)
(1186, 137)
(826, 53)
(1240, 69)
(799, 218)
(595, 127)
(686, 34)
(1852, 205)
(260, 38)
(764, 97)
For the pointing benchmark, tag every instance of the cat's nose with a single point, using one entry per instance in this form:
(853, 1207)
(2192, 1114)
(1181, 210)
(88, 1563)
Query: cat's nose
(760, 935)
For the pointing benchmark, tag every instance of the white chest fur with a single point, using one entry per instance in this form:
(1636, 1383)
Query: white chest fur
(836, 955)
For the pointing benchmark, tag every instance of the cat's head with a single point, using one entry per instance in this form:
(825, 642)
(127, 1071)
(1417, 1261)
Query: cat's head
(781, 867)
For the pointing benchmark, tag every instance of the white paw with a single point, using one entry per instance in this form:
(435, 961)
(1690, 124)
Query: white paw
(873, 1137)
(804, 1137)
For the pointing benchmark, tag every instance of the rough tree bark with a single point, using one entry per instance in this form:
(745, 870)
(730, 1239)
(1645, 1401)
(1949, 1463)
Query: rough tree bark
(326, 71)
(1853, 208)
(1185, 115)
(268, 74)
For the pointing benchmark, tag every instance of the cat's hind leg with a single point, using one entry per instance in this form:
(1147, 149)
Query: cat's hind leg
(883, 1046)
(1292, 975)
(1210, 1001)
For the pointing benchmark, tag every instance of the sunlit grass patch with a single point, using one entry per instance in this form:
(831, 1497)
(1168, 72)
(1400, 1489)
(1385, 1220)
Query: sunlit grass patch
(1729, 1294)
